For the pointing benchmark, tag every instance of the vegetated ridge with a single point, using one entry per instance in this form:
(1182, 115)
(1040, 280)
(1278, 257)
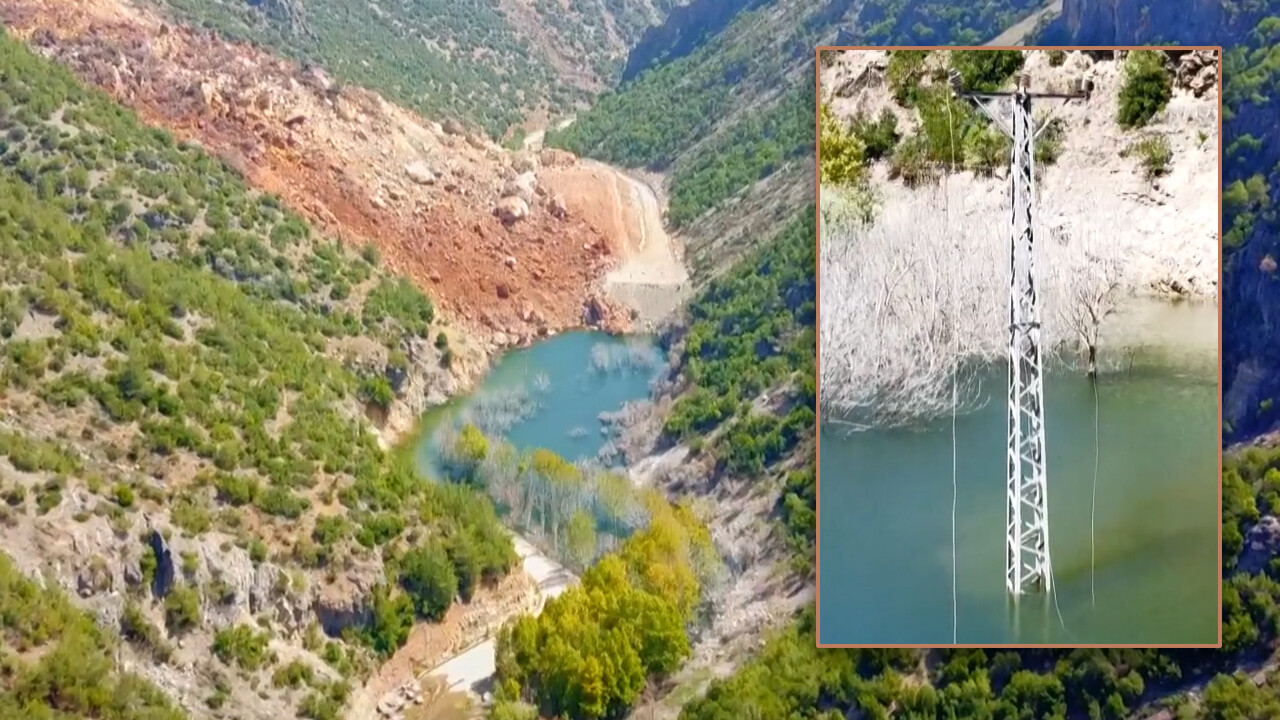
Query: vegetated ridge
(492, 64)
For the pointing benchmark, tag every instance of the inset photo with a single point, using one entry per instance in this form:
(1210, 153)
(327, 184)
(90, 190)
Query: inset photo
(1019, 346)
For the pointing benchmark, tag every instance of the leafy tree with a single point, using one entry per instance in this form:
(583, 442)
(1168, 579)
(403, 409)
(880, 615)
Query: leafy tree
(986, 70)
(842, 152)
(390, 622)
(428, 576)
(181, 609)
(242, 646)
(1147, 88)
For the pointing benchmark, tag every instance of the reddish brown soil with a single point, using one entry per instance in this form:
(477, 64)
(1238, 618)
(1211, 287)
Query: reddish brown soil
(339, 157)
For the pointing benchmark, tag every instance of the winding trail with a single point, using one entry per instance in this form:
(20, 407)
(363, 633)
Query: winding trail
(652, 277)
(1018, 32)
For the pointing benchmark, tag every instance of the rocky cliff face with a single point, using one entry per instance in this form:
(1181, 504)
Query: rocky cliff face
(1250, 292)
(1142, 22)
(684, 30)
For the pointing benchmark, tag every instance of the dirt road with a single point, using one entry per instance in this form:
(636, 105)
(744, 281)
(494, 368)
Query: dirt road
(1017, 34)
(650, 276)
(474, 666)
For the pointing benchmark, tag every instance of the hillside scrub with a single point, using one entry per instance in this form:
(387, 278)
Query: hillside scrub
(593, 650)
(400, 51)
(750, 150)
(1251, 68)
(750, 331)
(1152, 153)
(924, 299)
(59, 663)
(954, 135)
(185, 321)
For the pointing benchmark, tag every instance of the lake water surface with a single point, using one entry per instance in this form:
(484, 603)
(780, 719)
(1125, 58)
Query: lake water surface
(886, 500)
(550, 395)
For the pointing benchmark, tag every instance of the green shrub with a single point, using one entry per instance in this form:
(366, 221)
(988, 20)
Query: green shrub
(294, 675)
(181, 609)
(242, 646)
(376, 390)
(135, 627)
(911, 163)
(428, 576)
(840, 151)
(986, 70)
(1153, 154)
(123, 495)
(1147, 88)
(878, 137)
(906, 70)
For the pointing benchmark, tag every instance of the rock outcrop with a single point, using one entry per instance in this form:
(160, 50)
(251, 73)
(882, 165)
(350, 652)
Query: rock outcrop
(1249, 295)
(162, 583)
(1261, 545)
(511, 210)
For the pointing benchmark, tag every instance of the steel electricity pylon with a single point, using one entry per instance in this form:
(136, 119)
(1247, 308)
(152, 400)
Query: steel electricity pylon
(1027, 507)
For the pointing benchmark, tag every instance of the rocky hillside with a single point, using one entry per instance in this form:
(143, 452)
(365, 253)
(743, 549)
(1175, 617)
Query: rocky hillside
(490, 64)
(504, 257)
(1249, 34)
(1096, 165)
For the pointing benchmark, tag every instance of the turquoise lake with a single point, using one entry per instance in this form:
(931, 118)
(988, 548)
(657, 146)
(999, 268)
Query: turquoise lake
(550, 395)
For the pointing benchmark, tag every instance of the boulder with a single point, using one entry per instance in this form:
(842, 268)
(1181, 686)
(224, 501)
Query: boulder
(511, 210)
(420, 173)
(345, 110)
(557, 207)
(1261, 544)
(524, 162)
(553, 157)
(523, 186)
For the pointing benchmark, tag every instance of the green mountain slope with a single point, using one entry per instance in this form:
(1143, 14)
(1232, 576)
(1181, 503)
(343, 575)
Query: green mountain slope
(58, 662)
(178, 351)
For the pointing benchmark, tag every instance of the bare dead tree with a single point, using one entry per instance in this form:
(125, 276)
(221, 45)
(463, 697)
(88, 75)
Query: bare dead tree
(902, 309)
(1092, 280)
(921, 295)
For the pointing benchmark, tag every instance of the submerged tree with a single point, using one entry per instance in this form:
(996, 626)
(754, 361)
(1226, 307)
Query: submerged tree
(917, 301)
(1092, 282)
